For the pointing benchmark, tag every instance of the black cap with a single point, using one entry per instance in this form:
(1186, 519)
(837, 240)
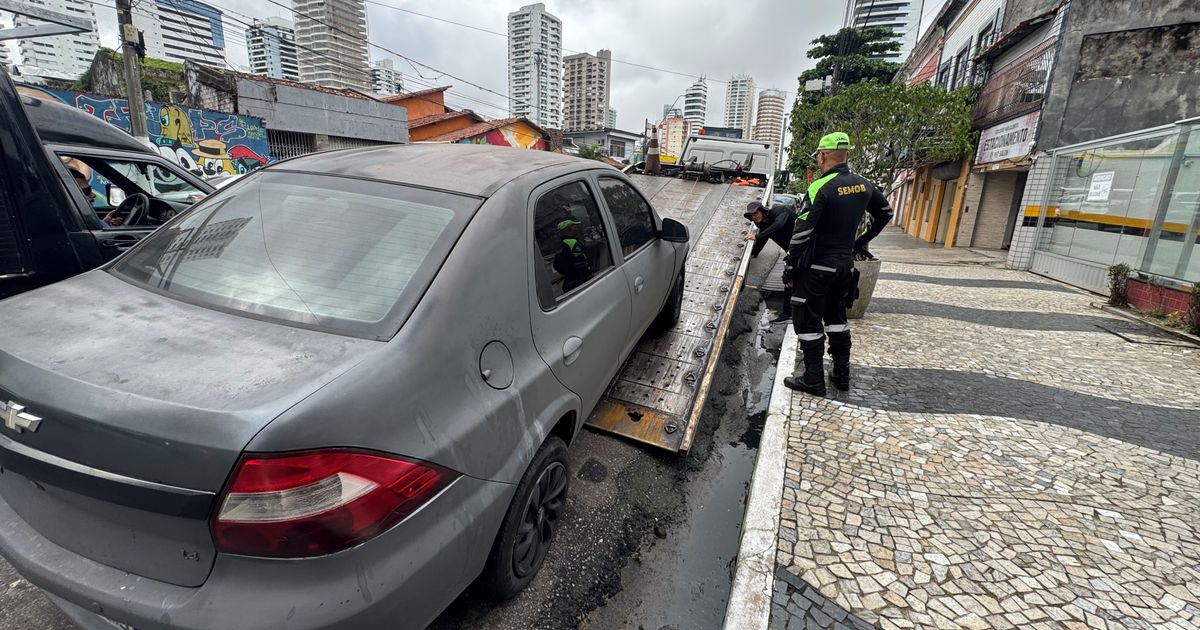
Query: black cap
(752, 207)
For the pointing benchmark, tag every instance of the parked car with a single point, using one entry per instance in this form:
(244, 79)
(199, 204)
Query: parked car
(331, 396)
(50, 228)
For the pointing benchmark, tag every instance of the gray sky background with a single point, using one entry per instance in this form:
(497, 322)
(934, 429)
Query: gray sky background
(766, 39)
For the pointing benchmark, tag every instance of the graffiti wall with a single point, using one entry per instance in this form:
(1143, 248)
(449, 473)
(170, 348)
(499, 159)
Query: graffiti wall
(516, 135)
(204, 142)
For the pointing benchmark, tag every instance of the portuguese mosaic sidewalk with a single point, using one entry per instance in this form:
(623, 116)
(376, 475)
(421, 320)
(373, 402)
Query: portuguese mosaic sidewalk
(1008, 457)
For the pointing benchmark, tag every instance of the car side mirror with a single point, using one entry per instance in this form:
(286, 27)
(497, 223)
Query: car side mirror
(673, 231)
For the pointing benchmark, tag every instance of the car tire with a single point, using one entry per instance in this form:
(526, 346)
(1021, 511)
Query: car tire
(530, 524)
(672, 311)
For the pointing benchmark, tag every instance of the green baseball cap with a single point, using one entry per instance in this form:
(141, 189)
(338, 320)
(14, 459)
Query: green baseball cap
(562, 225)
(834, 141)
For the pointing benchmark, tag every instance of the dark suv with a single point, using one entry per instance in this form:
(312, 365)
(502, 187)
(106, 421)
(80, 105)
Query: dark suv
(75, 191)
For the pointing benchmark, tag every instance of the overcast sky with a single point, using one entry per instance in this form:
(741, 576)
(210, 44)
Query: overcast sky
(766, 39)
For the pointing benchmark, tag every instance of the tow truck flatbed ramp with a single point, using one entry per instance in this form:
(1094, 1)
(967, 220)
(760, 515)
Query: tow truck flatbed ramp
(658, 395)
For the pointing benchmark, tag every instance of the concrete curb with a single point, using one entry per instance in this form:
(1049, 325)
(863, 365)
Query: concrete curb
(1149, 322)
(754, 580)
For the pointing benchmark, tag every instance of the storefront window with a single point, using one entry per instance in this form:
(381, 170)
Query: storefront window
(1105, 203)
(1176, 253)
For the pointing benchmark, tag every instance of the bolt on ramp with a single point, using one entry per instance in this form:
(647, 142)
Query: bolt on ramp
(657, 397)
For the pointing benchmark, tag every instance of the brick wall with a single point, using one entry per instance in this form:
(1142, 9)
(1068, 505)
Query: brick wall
(1149, 297)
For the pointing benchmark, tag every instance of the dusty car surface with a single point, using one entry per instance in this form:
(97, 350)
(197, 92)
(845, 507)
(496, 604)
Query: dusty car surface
(333, 395)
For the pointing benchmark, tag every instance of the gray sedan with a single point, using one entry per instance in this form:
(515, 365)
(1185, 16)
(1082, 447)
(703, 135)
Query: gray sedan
(334, 395)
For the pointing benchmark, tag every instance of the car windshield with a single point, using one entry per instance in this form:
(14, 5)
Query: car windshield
(334, 253)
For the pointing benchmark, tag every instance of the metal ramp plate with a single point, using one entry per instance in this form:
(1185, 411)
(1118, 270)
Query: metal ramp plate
(657, 397)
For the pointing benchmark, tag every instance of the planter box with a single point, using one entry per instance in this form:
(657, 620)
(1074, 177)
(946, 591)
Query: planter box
(1149, 297)
(868, 275)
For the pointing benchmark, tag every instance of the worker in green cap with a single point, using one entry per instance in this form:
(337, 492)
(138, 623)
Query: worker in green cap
(572, 261)
(820, 262)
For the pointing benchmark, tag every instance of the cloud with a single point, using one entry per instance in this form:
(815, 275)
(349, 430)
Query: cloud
(766, 39)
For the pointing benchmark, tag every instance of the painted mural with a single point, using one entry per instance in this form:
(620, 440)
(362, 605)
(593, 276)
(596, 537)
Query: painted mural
(520, 137)
(205, 142)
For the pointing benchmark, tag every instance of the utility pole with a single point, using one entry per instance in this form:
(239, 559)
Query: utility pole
(133, 71)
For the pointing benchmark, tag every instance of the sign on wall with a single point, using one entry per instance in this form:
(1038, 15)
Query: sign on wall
(202, 141)
(1101, 186)
(1008, 140)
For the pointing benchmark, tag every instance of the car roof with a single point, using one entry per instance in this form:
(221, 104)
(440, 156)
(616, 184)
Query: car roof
(57, 123)
(470, 169)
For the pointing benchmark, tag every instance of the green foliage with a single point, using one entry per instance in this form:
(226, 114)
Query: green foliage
(847, 56)
(158, 76)
(892, 127)
(1118, 275)
(591, 152)
(1193, 314)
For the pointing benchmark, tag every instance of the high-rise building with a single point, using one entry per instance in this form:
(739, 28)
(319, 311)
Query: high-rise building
(331, 42)
(902, 16)
(181, 30)
(586, 90)
(672, 133)
(739, 103)
(670, 111)
(61, 56)
(612, 118)
(695, 104)
(384, 78)
(535, 70)
(271, 46)
(768, 120)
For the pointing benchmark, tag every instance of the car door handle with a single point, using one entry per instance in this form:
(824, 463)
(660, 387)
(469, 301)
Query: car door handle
(571, 349)
(639, 283)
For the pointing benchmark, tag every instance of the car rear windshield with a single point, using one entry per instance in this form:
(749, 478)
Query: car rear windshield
(340, 254)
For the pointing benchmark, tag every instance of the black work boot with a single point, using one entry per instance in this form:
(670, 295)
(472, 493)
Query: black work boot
(783, 316)
(839, 350)
(813, 379)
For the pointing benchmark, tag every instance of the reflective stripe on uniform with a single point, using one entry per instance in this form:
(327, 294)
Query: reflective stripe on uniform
(823, 268)
(810, 336)
(832, 328)
(816, 186)
(799, 301)
(798, 238)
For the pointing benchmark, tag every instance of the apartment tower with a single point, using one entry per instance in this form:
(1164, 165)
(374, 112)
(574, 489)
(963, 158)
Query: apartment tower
(535, 66)
(181, 30)
(695, 104)
(586, 90)
(739, 103)
(271, 46)
(902, 16)
(61, 56)
(331, 42)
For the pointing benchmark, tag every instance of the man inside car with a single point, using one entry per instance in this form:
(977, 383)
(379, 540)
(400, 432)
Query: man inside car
(110, 220)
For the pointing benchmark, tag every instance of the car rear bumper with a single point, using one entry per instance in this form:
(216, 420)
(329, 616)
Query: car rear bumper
(400, 579)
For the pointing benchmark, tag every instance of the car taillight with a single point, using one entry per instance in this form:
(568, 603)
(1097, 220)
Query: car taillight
(291, 505)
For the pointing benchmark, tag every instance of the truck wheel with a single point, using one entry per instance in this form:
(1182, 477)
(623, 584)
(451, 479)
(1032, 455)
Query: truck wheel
(672, 311)
(530, 523)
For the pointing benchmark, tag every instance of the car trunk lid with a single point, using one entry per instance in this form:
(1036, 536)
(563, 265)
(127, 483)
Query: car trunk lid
(145, 404)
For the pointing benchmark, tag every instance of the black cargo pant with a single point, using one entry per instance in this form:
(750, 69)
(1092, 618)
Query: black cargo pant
(820, 298)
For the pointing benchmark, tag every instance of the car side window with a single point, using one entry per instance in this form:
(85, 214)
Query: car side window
(572, 241)
(630, 212)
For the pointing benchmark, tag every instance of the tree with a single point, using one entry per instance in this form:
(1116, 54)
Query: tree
(591, 152)
(892, 127)
(852, 56)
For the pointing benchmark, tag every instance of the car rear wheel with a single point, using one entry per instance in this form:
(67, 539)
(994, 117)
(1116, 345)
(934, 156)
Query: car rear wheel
(672, 311)
(530, 523)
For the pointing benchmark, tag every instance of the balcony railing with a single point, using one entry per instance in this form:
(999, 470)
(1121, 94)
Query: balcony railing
(1017, 88)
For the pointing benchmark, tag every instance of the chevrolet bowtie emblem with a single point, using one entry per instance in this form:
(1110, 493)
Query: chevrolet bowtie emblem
(15, 417)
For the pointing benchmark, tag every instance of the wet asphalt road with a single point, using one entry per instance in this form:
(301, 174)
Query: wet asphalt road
(649, 540)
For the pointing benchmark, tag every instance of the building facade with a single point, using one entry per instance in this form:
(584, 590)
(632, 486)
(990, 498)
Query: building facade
(535, 66)
(587, 83)
(1115, 176)
(181, 30)
(385, 81)
(612, 117)
(770, 116)
(902, 16)
(695, 103)
(331, 42)
(61, 56)
(739, 103)
(614, 143)
(271, 47)
(672, 134)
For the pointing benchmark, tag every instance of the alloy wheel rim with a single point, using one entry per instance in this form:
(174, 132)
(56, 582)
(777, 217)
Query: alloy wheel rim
(539, 520)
